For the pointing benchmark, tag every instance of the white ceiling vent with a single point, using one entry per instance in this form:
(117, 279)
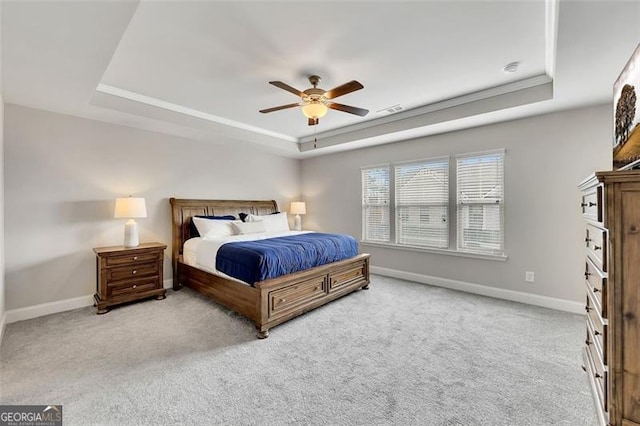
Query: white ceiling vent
(390, 110)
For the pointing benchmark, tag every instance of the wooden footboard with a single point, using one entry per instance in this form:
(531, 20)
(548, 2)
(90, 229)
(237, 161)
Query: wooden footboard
(277, 300)
(269, 302)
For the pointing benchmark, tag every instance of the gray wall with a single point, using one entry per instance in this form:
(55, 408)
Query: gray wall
(546, 157)
(62, 175)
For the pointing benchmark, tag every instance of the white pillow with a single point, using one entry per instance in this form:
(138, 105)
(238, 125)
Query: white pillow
(273, 222)
(242, 228)
(214, 227)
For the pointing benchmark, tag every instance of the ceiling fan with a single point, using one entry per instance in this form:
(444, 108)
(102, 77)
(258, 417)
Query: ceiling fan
(315, 101)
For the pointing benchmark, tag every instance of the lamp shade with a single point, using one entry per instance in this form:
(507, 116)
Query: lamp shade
(298, 207)
(314, 109)
(130, 207)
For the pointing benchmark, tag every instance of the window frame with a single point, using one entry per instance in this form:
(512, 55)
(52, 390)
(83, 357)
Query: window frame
(452, 222)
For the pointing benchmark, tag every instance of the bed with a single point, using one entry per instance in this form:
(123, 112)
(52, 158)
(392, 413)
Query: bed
(272, 301)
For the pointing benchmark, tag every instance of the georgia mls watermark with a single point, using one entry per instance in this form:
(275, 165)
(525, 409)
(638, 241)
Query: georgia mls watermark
(30, 415)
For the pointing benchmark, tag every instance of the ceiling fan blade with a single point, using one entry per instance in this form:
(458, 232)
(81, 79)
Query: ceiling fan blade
(313, 121)
(286, 87)
(349, 87)
(278, 108)
(350, 109)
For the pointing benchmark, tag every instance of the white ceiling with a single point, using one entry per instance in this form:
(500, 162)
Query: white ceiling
(201, 69)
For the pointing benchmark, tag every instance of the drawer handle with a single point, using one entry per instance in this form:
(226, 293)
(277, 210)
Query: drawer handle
(587, 275)
(633, 229)
(135, 257)
(597, 248)
(584, 368)
(586, 308)
(134, 272)
(595, 290)
(587, 240)
(283, 300)
(134, 286)
(596, 332)
(589, 204)
(592, 204)
(587, 342)
(597, 376)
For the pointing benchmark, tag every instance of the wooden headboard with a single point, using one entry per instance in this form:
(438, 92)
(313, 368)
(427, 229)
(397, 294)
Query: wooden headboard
(183, 210)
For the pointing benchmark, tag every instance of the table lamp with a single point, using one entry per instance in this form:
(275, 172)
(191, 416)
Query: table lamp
(298, 208)
(130, 208)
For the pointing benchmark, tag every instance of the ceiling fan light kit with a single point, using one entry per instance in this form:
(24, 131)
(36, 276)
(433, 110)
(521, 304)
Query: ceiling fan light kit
(315, 102)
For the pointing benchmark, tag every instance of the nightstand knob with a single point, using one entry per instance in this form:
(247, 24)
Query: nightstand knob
(135, 257)
(134, 286)
(134, 272)
(283, 300)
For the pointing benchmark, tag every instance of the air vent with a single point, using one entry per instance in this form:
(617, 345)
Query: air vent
(391, 110)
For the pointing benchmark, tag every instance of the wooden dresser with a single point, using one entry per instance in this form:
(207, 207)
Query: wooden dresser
(611, 206)
(126, 274)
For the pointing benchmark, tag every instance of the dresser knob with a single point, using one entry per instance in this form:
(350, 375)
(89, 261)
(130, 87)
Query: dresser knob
(595, 290)
(586, 308)
(283, 300)
(587, 274)
(592, 204)
(587, 342)
(584, 368)
(134, 286)
(135, 257)
(597, 333)
(597, 376)
(134, 272)
(633, 229)
(597, 248)
(587, 240)
(583, 204)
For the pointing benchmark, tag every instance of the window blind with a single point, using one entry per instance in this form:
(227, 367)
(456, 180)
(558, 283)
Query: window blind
(375, 204)
(480, 203)
(421, 201)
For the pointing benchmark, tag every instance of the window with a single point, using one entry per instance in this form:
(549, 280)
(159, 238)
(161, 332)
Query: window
(375, 204)
(408, 204)
(422, 203)
(480, 202)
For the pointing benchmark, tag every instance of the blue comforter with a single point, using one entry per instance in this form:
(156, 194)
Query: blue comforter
(254, 261)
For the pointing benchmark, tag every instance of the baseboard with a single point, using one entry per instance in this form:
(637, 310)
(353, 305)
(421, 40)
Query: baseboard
(498, 293)
(48, 308)
(54, 307)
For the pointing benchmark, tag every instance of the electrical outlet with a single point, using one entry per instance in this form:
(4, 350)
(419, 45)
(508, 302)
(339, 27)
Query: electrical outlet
(529, 276)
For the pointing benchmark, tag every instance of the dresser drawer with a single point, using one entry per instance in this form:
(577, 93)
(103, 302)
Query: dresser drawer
(598, 329)
(287, 299)
(596, 243)
(132, 287)
(596, 282)
(598, 372)
(132, 271)
(591, 204)
(133, 259)
(347, 276)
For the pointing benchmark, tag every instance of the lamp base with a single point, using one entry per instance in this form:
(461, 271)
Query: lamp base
(297, 223)
(131, 234)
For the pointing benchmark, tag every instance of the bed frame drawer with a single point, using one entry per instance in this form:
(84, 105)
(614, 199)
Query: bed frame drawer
(347, 276)
(289, 298)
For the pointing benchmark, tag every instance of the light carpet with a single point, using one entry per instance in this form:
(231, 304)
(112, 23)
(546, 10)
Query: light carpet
(400, 353)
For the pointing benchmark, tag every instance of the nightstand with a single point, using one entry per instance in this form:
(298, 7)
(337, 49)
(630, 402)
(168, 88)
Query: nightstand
(126, 274)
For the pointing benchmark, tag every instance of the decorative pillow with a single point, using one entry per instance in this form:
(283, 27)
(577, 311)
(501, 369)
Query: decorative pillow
(193, 230)
(273, 223)
(242, 228)
(208, 228)
(243, 216)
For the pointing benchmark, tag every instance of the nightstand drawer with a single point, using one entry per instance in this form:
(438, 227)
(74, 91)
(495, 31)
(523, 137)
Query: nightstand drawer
(133, 259)
(132, 287)
(133, 271)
